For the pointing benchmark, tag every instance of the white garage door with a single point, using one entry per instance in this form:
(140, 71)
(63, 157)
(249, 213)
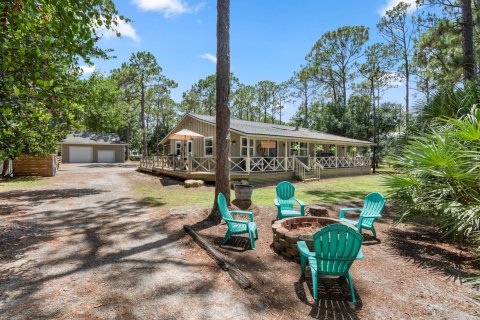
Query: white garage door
(107, 156)
(81, 154)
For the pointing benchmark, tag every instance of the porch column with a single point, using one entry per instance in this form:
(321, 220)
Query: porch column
(336, 156)
(189, 164)
(354, 153)
(247, 164)
(285, 153)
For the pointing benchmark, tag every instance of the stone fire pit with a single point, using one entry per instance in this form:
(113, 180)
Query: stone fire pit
(288, 231)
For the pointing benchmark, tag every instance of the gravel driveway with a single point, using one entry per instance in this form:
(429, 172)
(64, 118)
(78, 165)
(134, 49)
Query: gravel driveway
(82, 247)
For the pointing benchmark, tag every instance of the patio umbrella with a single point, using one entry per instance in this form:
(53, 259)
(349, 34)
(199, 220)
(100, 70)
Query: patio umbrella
(185, 135)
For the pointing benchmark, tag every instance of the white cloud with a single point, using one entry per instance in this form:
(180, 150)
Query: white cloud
(86, 70)
(124, 28)
(209, 56)
(392, 3)
(169, 8)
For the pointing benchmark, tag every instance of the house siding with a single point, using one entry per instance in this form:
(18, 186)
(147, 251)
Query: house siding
(205, 129)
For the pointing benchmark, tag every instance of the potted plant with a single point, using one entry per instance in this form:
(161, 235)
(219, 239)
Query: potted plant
(243, 191)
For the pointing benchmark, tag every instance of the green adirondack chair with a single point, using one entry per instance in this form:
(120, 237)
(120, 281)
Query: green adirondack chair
(371, 211)
(286, 200)
(236, 226)
(337, 246)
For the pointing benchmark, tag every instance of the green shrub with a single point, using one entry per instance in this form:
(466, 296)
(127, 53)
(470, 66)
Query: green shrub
(438, 176)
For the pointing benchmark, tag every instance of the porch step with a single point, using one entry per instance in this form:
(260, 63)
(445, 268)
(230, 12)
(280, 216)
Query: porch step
(310, 179)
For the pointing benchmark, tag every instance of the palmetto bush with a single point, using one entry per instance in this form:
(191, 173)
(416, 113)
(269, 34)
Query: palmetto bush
(438, 176)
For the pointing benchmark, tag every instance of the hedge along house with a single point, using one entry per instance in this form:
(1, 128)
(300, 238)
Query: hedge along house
(260, 152)
(86, 147)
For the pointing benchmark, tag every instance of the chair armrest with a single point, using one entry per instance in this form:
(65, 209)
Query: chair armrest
(302, 206)
(344, 210)
(276, 203)
(237, 221)
(300, 202)
(373, 216)
(245, 213)
(303, 249)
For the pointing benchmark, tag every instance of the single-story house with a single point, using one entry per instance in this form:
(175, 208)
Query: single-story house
(87, 147)
(260, 152)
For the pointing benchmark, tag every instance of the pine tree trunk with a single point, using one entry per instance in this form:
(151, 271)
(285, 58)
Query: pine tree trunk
(156, 135)
(467, 41)
(142, 116)
(222, 139)
(305, 121)
(407, 91)
(127, 148)
(374, 133)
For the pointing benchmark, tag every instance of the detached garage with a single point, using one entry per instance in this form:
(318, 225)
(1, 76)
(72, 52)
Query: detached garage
(86, 147)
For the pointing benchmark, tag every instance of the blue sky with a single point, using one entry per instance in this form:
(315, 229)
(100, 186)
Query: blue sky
(269, 38)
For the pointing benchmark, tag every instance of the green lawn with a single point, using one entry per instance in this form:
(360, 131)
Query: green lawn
(323, 191)
(20, 183)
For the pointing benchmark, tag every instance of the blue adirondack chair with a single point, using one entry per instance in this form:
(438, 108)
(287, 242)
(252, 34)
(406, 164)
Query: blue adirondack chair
(337, 246)
(286, 200)
(371, 211)
(236, 226)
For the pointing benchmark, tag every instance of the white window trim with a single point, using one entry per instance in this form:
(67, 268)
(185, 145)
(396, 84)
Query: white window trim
(175, 147)
(189, 154)
(205, 147)
(251, 146)
(298, 142)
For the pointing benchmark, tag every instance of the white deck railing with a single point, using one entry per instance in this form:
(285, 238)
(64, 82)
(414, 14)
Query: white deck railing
(251, 164)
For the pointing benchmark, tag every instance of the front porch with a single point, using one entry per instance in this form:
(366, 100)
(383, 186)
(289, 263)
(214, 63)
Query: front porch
(257, 168)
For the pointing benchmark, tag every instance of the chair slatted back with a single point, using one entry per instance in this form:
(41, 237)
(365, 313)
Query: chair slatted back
(336, 247)
(374, 204)
(285, 195)
(222, 206)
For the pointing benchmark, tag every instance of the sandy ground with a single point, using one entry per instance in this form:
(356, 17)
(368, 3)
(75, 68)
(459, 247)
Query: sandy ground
(83, 248)
(411, 273)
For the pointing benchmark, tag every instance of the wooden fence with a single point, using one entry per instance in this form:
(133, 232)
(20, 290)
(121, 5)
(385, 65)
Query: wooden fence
(35, 166)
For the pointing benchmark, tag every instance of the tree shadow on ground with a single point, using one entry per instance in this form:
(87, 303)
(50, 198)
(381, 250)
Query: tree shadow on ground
(335, 196)
(109, 165)
(153, 202)
(7, 209)
(334, 299)
(44, 195)
(427, 249)
(89, 235)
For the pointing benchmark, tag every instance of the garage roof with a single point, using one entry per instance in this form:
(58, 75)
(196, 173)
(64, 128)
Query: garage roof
(92, 138)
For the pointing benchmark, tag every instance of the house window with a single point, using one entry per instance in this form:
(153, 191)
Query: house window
(208, 146)
(178, 148)
(269, 148)
(299, 149)
(244, 147)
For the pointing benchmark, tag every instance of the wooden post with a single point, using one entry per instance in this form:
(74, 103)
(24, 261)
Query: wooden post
(285, 153)
(247, 164)
(336, 156)
(189, 164)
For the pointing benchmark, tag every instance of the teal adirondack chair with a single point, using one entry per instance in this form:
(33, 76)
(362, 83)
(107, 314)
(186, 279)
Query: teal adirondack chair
(337, 246)
(371, 211)
(285, 201)
(236, 226)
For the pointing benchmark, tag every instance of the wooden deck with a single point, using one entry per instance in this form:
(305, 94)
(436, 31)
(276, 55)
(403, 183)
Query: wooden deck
(260, 170)
(252, 177)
